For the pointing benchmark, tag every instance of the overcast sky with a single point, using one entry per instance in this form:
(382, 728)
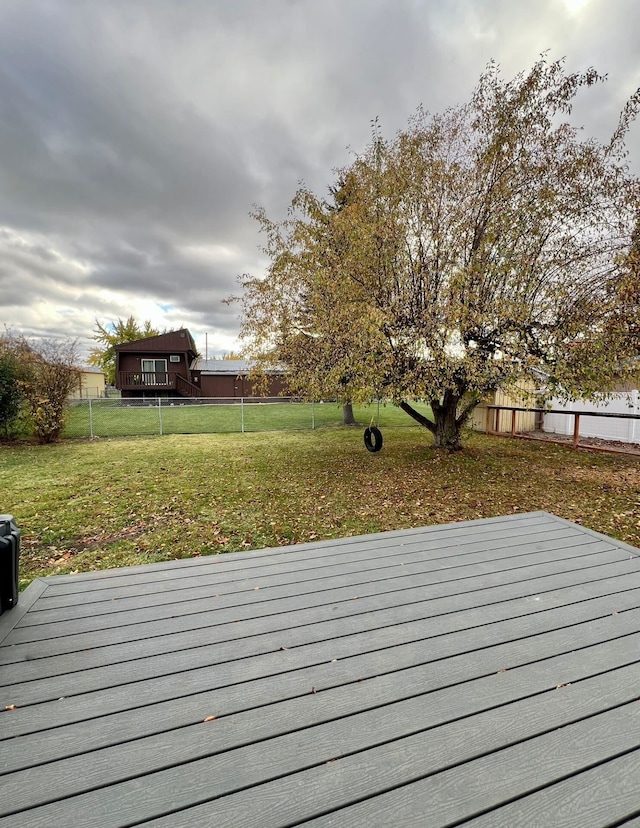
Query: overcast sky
(136, 135)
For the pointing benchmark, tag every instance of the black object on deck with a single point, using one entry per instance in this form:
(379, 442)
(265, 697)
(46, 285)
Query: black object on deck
(9, 553)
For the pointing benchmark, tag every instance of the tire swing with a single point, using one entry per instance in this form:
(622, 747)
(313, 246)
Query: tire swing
(372, 439)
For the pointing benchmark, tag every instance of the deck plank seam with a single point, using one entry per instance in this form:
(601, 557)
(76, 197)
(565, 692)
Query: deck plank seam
(385, 626)
(571, 680)
(296, 625)
(266, 599)
(390, 646)
(579, 542)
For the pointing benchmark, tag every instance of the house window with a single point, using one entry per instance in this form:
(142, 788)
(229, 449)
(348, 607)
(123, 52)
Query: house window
(174, 358)
(154, 372)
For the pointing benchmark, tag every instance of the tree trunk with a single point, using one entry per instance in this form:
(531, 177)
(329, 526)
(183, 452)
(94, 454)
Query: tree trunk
(447, 424)
(347, 414)
(448, 432)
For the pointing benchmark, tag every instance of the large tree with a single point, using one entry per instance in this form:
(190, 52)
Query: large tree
(474, 247)
(103, 356)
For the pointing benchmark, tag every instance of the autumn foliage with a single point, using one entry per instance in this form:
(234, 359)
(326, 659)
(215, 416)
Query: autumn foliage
(45, 374)
(476, 247)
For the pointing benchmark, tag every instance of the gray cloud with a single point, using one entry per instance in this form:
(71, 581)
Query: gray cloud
(135, 137)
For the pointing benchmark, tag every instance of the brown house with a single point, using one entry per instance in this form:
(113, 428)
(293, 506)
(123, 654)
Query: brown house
(168, 366)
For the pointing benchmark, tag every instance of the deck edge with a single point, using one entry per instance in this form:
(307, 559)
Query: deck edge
(626, 547)
(10, 619)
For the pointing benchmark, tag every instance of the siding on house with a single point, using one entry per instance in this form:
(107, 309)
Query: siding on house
(604, 428)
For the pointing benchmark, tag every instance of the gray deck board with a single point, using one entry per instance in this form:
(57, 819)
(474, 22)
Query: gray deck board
(313, 708)
(613, 794)
(32, 660)
(324, 578)
(394, 595)
(258, 603)
(172, 589)
(444, 635)
(482, 672)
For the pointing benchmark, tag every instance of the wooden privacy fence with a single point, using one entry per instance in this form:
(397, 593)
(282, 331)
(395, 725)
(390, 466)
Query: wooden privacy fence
(495, 419)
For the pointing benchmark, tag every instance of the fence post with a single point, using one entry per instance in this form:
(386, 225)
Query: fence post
(313, 416)
(635, 399)
(576, 430)
(90, 420)
(242, 414)
(160, 413)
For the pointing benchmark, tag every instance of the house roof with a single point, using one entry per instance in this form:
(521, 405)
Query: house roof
(482, 671)
(233, 367)
(180, 340)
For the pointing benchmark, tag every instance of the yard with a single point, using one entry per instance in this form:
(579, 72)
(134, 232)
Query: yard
(84, 505)
(122, 418)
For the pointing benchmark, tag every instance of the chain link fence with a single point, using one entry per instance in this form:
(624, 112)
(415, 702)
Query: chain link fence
(129, 417)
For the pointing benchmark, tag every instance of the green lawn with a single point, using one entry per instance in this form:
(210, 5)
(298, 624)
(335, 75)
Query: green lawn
(110, 502)
(110, 418)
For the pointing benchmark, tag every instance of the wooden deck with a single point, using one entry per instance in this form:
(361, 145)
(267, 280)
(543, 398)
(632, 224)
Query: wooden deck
(483, 673)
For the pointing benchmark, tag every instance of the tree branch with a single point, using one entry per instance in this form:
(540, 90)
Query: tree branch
(418, 417)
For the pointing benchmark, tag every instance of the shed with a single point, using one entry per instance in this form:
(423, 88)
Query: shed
(228, 378)
(521, 396)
